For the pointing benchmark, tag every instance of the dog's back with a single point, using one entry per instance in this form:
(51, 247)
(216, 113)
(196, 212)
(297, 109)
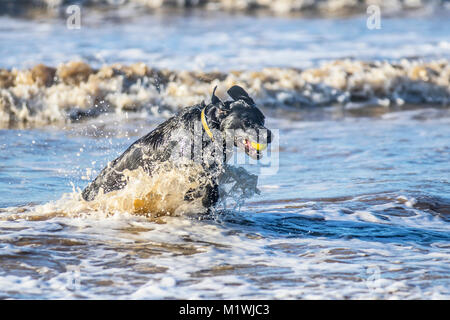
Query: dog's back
(146, 153)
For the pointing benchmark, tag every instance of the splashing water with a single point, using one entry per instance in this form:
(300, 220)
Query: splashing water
(348, 215)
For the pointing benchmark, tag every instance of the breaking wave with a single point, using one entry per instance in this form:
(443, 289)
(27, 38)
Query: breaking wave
(75, 91)
(302, 7)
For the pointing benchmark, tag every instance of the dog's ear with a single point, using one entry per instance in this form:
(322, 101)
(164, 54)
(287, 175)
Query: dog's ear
(237, 93)
(214, 98)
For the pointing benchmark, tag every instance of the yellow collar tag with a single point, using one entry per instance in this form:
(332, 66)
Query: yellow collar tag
(205, 125)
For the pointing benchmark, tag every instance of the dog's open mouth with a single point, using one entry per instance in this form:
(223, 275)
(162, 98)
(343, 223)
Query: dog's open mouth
(251, 148)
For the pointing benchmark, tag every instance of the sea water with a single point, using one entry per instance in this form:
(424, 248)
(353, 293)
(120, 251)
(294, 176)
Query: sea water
(356, 206)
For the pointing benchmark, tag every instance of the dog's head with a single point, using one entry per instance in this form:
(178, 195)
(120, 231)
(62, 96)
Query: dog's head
(243, 119)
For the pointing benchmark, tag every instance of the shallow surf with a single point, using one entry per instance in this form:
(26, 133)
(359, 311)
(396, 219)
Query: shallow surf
(357, 209)
(356, 206)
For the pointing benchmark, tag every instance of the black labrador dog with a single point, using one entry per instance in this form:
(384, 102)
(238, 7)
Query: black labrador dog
(205, 134)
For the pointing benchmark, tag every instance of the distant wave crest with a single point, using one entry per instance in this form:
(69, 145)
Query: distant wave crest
(75, 91)
(303, 7)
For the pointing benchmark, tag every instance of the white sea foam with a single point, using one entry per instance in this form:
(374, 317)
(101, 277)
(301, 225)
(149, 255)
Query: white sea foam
(219, 264)
(33, 97)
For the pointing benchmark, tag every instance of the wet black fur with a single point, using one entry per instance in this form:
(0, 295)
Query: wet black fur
(156, 146)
